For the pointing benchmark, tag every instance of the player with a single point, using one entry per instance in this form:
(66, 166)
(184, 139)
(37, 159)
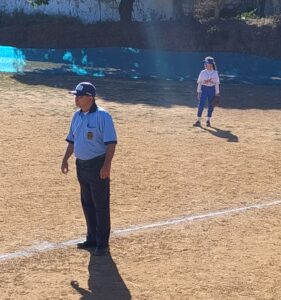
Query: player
(207, 88)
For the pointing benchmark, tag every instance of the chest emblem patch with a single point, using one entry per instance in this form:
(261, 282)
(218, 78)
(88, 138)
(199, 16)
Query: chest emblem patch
(90, 135)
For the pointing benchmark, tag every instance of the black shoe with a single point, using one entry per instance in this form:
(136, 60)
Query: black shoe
(197, 124)
(86, 245)
(101, 251)
(208, 124)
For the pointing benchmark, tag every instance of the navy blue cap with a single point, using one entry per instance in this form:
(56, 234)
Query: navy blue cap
(209, 60)
(84, 89)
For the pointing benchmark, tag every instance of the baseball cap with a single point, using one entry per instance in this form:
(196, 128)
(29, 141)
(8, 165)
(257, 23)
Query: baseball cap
(209, 60)
(84, 89)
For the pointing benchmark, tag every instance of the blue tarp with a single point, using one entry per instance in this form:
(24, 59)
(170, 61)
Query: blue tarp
(139, 63)
(11, 60)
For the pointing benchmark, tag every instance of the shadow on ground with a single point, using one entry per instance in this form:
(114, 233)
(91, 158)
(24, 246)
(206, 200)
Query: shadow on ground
(104, 281)
(163, 93)
(224, 134)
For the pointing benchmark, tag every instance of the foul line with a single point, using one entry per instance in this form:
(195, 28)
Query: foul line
(46, 246)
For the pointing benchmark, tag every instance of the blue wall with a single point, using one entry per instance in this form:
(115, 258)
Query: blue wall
(139, 63)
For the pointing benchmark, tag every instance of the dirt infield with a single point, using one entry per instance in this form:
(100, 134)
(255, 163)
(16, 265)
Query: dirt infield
(164, 168)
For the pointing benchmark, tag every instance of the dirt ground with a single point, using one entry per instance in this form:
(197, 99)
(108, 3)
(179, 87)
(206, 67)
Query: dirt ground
(164, 168)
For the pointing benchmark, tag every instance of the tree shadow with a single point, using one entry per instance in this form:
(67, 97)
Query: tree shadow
(224, 134)
(122, 90)
(104, 283)
(160, 93)
(167, 51)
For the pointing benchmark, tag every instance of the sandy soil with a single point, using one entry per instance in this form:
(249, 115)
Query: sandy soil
(164, 168)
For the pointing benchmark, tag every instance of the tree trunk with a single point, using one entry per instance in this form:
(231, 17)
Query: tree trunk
(219, 5)
(178, 9)
(126, 10)
(261, 8)
(99, 2)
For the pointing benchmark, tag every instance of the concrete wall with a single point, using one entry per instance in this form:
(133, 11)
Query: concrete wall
(139, 63)
(86, 10)
(90, 11)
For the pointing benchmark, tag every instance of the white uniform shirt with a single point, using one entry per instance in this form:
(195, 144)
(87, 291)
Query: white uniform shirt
(208, 78)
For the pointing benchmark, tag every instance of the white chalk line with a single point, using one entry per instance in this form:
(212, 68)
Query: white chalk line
(46, 246)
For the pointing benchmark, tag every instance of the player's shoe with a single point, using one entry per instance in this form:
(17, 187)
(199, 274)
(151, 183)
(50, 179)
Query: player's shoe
(197, 124)
(208, 124)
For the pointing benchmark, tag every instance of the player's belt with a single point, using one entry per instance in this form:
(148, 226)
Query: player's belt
(88, 162)
(207, 86)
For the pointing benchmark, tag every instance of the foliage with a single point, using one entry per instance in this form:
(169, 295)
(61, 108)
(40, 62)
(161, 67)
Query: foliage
(205, 9)
(249, 15)
(38, 2)
(213, 29)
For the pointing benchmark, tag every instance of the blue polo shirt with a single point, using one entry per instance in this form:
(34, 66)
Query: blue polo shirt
(91, 133)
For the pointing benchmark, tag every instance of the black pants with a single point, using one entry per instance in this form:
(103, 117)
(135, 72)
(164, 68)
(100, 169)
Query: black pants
(95, 196)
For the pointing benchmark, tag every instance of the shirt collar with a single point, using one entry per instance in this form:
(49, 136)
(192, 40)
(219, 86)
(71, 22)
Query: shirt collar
(93, 108)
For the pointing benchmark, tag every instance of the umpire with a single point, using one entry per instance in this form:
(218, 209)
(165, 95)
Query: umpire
(92, 139)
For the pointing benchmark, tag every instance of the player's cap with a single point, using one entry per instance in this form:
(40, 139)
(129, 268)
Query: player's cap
(84, 89)
(209, 60)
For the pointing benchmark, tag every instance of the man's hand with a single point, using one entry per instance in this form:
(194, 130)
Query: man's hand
(64, 167)
(198, 96)
(68, 153)
(105, 171)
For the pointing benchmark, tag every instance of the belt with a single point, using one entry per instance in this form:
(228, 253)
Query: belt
(207, 86)
(89, 161)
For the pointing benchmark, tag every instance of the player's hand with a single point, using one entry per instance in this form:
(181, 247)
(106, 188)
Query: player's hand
(64, 167)
(105, 172)
(198, 96)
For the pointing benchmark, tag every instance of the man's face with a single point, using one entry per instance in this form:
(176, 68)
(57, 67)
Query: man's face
(83, 101)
